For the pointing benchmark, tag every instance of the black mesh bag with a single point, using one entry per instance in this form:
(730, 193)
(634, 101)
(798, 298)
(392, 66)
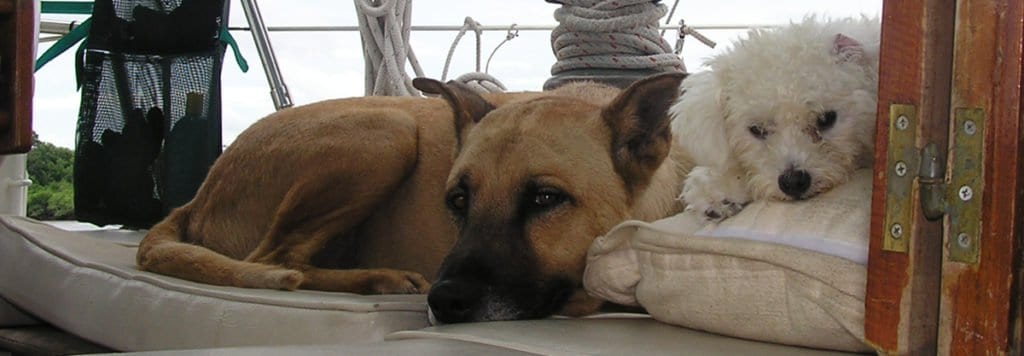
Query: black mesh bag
(149, 125)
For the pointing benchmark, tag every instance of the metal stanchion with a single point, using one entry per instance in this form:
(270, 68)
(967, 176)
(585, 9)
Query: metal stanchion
(278, 91)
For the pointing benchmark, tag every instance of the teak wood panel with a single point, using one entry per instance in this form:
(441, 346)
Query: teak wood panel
(976, 304)
(901, 307)
(17, 46)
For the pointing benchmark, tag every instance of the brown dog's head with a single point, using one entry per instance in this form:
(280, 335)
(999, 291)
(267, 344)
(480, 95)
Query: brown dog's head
(533, 183)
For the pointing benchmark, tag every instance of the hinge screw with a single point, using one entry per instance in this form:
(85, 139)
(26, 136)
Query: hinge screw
(963, 240)
(896, 231)
(901, 168)
(966, 193)
(902, 122)
(969, 127)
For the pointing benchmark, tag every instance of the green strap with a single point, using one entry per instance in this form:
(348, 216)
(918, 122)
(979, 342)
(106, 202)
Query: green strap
(80, 63)
(67, 7)
(76, 34)
(81, 31)
(225, 36)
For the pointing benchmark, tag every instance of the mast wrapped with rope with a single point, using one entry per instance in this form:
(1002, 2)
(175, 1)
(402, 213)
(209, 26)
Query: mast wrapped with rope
(385, 26)
(611, 41)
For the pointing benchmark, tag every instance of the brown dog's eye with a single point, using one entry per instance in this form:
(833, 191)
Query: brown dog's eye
(458, 201)
(546, 199)
(826, 120)
(758, 131)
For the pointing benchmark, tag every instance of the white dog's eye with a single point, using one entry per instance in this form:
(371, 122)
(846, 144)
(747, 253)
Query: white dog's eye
(826, 120)
(758, 131)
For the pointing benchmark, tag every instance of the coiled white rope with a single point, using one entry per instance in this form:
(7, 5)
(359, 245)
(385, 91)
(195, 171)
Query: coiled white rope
(611, 34)
(480, 82)
(513, 32)
(384, 26)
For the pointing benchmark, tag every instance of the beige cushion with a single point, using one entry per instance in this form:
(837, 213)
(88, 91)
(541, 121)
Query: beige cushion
(791, 273)
(91, 287)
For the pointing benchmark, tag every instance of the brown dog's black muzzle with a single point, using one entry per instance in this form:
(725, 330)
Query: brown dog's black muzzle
(495, 278)
(493, 272)
(454, 301)
(458, 301)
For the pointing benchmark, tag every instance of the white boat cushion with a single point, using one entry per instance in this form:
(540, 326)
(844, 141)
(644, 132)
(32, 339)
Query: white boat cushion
(91, 287)
(792, 273)
(11, 316)
(609, 334)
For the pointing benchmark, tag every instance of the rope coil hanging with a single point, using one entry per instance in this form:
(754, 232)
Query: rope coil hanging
(611, 34)
(384, 26)
(478, 81)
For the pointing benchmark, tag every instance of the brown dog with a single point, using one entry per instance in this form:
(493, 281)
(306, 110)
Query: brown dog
(368, 195)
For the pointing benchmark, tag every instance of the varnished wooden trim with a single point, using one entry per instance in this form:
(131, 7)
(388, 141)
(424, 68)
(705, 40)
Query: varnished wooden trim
(902, 302)
(17, 49)
(976, 298)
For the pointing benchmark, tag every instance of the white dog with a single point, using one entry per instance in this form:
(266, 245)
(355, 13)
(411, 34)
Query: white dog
(784, 114)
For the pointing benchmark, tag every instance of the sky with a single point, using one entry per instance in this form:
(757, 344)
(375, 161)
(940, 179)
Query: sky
(324, 65)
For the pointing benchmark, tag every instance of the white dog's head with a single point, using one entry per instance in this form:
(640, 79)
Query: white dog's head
(793, 107)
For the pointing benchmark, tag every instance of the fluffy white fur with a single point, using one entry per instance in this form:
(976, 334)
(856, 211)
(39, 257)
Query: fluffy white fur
(780, 83)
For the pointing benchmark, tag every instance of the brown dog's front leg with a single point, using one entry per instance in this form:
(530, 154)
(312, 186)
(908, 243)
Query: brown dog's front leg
(365, 281)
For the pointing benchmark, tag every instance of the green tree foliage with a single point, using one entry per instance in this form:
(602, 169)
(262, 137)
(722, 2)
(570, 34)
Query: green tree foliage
(51, 195)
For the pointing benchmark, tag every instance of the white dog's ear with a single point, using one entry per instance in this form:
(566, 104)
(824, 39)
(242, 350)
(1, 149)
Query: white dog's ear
(848, 49)
(698, 120)
(639, 121)
(468, 107)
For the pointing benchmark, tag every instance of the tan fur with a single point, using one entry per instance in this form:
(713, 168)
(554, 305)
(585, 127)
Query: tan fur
(359, 184)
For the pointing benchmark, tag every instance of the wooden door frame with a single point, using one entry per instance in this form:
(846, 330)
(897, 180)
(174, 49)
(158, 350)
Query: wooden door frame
(940, 56)
(17, 49)
(977, 298)
(915, 69)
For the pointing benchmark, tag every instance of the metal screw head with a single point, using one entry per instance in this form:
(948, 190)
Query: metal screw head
(963, 240)
(896, 231)
(970, 127)
(902, 122)
(901, 168)
(965, 193)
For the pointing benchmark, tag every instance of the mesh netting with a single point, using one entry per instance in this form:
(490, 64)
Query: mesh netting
(149, 124)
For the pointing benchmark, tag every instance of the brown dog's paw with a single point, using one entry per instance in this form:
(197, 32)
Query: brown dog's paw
(271, 278)
(398, 282)
(580, 304)
(286, 279)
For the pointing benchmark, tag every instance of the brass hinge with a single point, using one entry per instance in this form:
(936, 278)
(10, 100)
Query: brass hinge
(903, 159)
(966, 183)
(959, 198)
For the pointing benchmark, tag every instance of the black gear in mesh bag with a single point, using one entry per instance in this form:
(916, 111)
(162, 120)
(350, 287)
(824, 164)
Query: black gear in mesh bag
(149, 125)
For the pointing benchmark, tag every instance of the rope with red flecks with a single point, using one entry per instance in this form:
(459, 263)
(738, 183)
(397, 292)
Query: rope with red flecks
(611, 34)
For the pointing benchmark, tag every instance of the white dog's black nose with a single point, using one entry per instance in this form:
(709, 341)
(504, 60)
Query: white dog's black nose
(794, 182)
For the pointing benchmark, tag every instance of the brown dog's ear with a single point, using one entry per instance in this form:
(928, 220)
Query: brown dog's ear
(468, 107)
(639, 121)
